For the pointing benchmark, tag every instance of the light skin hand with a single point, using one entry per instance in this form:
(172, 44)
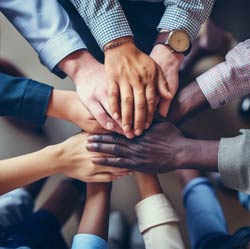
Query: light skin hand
(169, 63)
(161, 149)
(76, 162)
(132, 81)
(91, 86)
(67, 106)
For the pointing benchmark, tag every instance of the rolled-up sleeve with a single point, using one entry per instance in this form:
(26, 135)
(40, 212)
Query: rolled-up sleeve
(234, 161)
(105, 19)
(46, 26)
(228, 80)
(186, 15)
(24, 99)
(158, 223)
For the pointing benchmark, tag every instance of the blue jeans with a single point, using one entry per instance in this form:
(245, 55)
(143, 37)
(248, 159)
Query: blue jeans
(205, 220)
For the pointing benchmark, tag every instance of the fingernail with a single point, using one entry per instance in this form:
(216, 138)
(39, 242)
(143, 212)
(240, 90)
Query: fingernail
(129, 135)
(131, 173)
(116, 116)
(138, 132)
(110, 125)
(147, 125)
(88, 146)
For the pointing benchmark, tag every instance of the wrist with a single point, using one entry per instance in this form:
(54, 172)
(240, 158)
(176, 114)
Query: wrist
(78, 61)
(99, 189)
(119, 42)
(189, 101)
(198, 154)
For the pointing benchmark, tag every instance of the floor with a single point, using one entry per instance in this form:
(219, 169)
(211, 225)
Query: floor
(16, 140)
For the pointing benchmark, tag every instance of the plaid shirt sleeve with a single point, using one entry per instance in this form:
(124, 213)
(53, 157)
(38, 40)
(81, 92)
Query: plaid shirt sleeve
(105, 19)
(187, 15)
(230, 79)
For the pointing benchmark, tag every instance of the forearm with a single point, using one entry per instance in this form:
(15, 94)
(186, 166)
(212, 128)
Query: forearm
(105, 19)
(53, 43)
(147, 184)
(189, 101)
(20, 171)
(199, 154)
(185, 15)
(96, 211)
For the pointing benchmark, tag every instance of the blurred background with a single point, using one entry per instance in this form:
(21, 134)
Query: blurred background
(17, 139)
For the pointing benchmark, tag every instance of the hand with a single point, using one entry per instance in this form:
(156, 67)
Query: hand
(67, 106)
(159, 150)
(133, 78)
(169, 63)
(75, 161)
(89, 78)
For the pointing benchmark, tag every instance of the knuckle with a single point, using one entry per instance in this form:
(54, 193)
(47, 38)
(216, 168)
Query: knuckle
(116, 149)
(141, 104)
(128, 100)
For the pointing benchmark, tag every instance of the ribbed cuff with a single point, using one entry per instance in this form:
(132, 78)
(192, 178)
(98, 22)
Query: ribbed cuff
(154, 211)
(58, 48)
(234, 161)
(110, 26)
(35, 102)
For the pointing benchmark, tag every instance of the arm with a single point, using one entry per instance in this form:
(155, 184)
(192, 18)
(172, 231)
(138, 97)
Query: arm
(46, 26)
(161, 230)
(93, 228)
(68, 157)
(132, 76)
(179, 15)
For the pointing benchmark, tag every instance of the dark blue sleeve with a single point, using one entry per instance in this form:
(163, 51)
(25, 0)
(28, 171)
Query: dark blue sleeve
(24, 99)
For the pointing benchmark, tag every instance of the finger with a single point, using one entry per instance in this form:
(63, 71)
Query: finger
(118, 162)
(127, 107)
(113, 149)
(101, 116)
(104, 177)
(140, 110)
(164, 106)
(151, 104)
(113, 99)
(102, 169)
(118, 123)
(163, 87)
(108, 138)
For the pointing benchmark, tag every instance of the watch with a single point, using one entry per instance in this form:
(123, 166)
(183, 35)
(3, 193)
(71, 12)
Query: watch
(177, 40)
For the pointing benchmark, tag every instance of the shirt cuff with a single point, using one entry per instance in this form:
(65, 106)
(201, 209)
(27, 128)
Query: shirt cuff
(234, 161)
(35, 102)
(215, 87)
(110, 26)
(175, 18)
(68, 41)
(89, 241)
(147, 215)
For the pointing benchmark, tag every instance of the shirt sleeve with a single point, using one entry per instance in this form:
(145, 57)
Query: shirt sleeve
(105, 19)
(186, 15)
(228, 80)
(158, 223)
(46, 26)
(24, 98)
(88, 241)
(234, 161)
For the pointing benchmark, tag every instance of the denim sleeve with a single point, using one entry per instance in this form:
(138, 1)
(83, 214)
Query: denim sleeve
(24, 99)
(89, 241)
(46, 26)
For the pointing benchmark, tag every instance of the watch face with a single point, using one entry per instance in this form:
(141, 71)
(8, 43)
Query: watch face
(179, 41)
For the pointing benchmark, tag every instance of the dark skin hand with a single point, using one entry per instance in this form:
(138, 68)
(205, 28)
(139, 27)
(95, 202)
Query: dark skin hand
(161, 149)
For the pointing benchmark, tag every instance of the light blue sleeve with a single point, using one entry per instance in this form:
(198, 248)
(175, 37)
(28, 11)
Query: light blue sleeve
(46, 26)
(88, 241)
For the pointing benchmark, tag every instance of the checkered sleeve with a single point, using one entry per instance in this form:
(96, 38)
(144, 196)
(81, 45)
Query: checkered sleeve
(230, 79)
(187, 15)
(105, 19)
